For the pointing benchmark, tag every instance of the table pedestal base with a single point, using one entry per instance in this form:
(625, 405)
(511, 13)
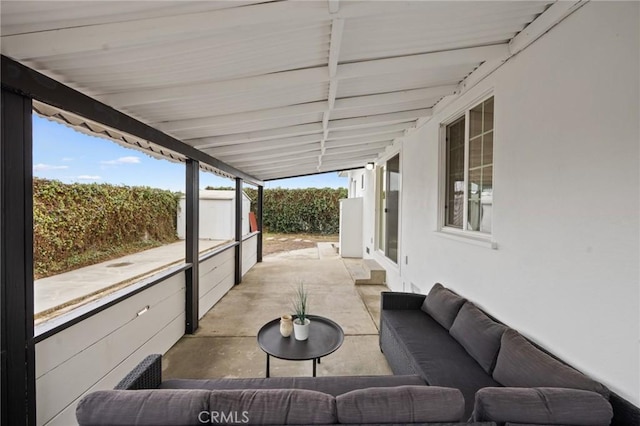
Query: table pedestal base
(315, 360)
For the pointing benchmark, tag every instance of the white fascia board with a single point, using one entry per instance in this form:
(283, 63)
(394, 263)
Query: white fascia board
(536, 29)
(543, 23)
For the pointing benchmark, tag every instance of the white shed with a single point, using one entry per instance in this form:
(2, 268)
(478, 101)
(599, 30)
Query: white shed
(217, 215)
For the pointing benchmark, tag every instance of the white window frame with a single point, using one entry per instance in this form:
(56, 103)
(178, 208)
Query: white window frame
(465, 235)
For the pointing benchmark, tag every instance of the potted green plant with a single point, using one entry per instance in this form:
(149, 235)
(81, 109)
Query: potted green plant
(300, 307)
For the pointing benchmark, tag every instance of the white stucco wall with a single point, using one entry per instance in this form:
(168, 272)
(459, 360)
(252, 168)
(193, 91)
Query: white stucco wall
(566, 200)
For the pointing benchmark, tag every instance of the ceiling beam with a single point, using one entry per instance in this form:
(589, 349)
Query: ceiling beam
(383, 109)
(418, 63)
(348, 163)
(337, 27)
(292, 173)
(289, 164)
(370, 131)
(120, 34)
(295, 173)
(472, 55)
(334, 6)
(115, 35)
(243, 117)
(254, 126)
(394, 97)
(251, 147)
(340, 156)
(285, 132)
(377, 120)
(388, 137)
(309, 107)
(294, 159)
(375, 146)
(219, 89)
(306, 170)
(271, 153)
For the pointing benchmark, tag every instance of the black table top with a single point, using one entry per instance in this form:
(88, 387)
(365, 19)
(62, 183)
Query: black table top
(325, 337)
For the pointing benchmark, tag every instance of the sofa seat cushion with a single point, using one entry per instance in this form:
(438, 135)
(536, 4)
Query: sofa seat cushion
(443, 305)
(521, 364)
(436, 355)
(478, 334)
(543, 406)
(329, 385)
(142, 407)
(403, 404)
(273, 406)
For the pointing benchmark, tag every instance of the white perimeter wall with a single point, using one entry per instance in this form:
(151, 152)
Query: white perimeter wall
(216, 279)
(249, 253)
(99, 351)
(566, 198)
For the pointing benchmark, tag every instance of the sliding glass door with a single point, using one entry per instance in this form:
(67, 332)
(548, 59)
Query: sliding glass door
(389, 207)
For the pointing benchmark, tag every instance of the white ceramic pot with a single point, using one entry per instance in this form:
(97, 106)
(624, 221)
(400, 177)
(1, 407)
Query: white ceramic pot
(301, 331)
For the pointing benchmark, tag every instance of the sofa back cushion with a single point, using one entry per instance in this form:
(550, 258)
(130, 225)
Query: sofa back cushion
(328, 384)
(443, 305)
(543, 406)
(142, 407)
(274, 406)
(403, 404)
(478, 334)
(520, 364)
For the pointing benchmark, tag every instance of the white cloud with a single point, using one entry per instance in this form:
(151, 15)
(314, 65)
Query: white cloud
(123, 160)
(40, 167)
(89, 177)
(67, 159)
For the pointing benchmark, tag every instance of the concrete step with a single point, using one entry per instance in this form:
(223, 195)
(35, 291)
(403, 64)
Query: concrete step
(377, 274)
(366, 271)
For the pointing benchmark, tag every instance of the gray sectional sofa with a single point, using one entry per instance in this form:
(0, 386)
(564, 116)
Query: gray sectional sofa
(453, 364)
(504, 378)
(143, 398)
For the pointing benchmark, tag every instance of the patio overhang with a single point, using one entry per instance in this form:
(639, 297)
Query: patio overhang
(267, 90)
(251, 90)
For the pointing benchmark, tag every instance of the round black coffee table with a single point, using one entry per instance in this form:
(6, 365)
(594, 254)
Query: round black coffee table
(325, 337)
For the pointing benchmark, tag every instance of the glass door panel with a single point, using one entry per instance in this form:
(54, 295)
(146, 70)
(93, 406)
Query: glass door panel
(391, 211)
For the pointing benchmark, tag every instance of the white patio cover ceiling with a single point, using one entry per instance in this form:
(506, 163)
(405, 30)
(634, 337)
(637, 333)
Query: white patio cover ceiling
(275, 89)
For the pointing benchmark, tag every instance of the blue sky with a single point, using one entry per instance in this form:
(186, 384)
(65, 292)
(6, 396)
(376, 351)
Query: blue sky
(64, 154)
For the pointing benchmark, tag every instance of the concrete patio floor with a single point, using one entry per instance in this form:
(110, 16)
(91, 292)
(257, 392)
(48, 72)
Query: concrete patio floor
(225, 344)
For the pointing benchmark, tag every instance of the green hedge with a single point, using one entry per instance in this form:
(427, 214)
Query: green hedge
(312, 210)
(72, 220)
